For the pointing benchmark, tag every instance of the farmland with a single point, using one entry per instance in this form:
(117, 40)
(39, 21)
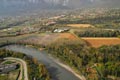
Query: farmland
(80, 25)
(98, 42)
(45, 39)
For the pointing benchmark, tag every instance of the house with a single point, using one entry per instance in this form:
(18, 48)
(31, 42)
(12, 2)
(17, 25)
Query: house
(7, 68)
(50, 23)
(60, 30)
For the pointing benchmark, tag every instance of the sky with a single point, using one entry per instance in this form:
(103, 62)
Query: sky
(67, 3)
(95, 3)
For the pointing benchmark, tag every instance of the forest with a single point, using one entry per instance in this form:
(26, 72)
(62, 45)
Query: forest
(95, 64)
(98, 33)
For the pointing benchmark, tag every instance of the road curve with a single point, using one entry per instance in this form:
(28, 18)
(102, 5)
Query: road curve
(24, 65)
(21, 67)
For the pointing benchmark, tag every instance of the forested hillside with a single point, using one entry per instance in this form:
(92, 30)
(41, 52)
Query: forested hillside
(94, 64)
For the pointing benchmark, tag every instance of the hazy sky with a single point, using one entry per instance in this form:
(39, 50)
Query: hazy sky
(68, 3)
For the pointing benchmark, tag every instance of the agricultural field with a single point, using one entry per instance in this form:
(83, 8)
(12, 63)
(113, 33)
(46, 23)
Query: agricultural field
(45, 39)
(80, 25)
(98, 42)
(68, 36)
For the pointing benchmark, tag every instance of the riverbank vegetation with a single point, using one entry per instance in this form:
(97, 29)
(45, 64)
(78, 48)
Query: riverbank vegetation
(35, 70)
(95, 64)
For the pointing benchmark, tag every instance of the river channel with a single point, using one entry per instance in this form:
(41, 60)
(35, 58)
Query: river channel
(56, 71)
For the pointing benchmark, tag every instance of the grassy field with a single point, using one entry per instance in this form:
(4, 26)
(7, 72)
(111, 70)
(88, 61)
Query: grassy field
(15, 39)
(11, 76)
(80, 25)
(45, 39)
(97, 42)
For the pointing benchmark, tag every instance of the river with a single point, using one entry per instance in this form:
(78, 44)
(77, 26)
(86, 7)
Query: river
(56, 71)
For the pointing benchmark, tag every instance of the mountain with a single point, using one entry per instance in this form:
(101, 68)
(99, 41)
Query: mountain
(58, 3)
(8, 7)
(13, 7)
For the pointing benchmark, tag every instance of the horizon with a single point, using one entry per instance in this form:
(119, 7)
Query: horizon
(18, 7)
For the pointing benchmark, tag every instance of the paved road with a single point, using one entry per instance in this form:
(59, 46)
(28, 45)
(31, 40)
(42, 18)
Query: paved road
(24, 66)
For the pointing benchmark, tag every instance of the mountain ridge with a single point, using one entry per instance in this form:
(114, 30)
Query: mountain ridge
(8, 7)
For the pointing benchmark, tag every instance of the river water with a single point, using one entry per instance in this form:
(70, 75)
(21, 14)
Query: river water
(56, 71)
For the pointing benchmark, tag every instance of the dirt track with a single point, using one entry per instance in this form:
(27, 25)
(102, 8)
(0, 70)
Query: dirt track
(24, 65)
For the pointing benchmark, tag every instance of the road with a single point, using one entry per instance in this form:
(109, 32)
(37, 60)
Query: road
(21, 67)
(24, 67)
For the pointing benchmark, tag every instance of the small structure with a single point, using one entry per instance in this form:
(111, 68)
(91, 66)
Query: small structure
(60, 30)
(7, 68)
(50, 23)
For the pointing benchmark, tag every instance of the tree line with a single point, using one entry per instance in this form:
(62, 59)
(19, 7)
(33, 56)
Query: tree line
(98, 33)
